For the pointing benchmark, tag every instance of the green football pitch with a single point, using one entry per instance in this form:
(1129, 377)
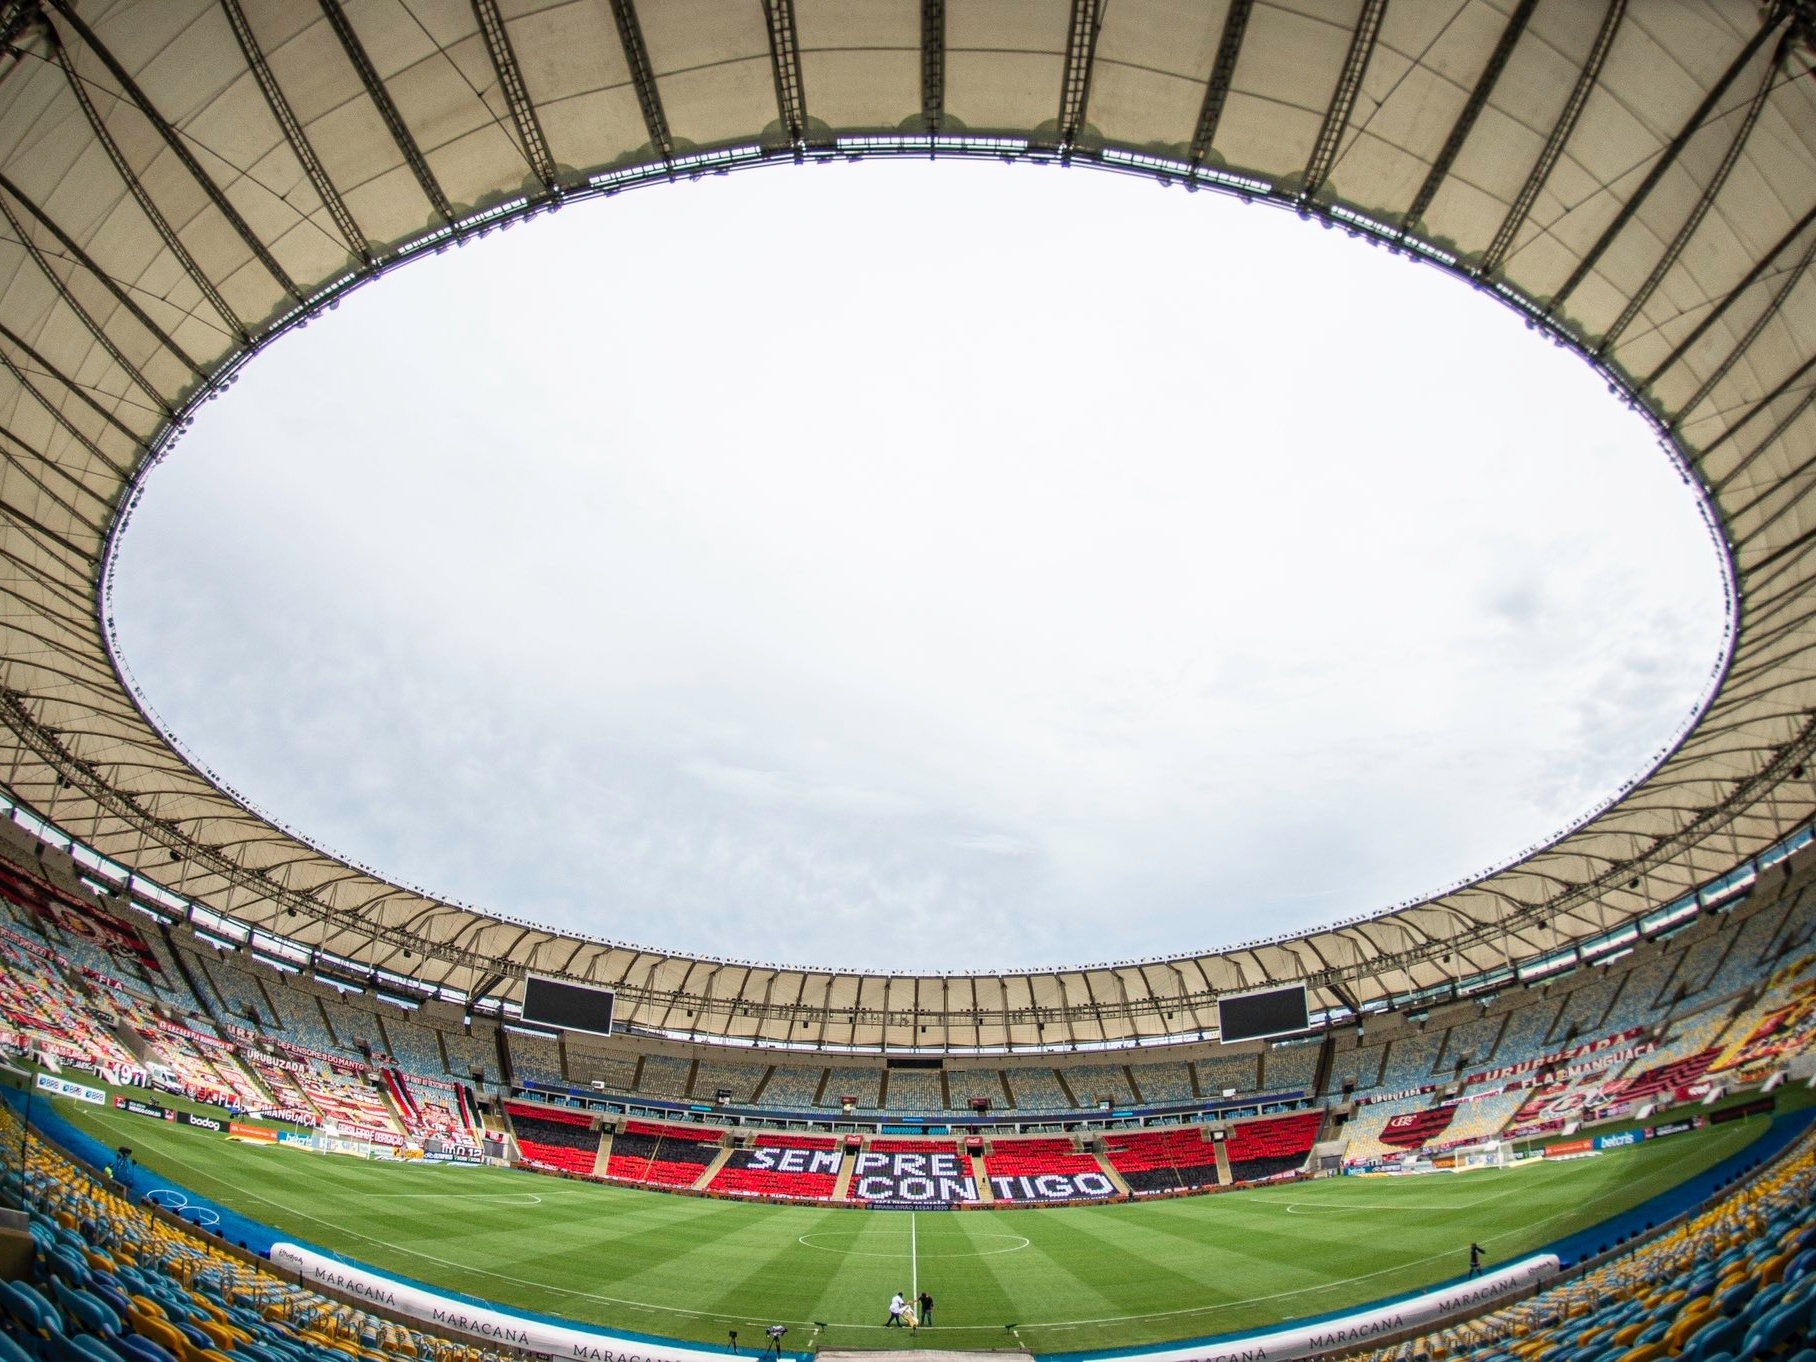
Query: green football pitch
(1051, 1280)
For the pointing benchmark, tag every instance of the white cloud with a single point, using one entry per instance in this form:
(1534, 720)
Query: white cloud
(1003, 568)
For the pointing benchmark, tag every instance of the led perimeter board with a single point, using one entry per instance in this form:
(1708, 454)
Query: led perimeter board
(1265, 1012)
(569, 1007)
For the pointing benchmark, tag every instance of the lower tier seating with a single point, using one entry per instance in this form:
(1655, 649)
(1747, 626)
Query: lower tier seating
(662, 1155)
(1272, 1147)
(1163, 1160)
(555, 1139)
(782, 1165)
(1044, 1170)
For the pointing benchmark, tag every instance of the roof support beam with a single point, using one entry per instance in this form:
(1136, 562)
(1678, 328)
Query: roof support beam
(516, 93)
(1075, 82)
(1223, 74)
(785, 66)
(141, 196)
(106, 280)
(1498, 249)
(643, 76)
(387, 108)
(933, 64)
(1472, 109)
(180, 149)
(80, 393)
(1343, 100)
(1667, 158)
(56, 413)
(1785, 288)
(1733, 295)
(95, 329)
(1753, 411)
(300, 146)
(1705, 201)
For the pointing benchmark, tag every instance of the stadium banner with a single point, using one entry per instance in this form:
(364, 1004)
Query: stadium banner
(488, 1324)
(1339, 1333)
(1563, 1149)
(138, 1108)
(1620, 1141)
(1674, 1128)
(1555, 1058)
(1759, 1106)
(62, 1087)
(239, 1130)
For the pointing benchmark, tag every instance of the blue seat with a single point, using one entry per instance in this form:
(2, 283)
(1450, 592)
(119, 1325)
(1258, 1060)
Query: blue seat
(1768, 1334)
(85, 1311)
(1735, 1298)
(1713, 1339)
(79, 1348)
(134, 1348)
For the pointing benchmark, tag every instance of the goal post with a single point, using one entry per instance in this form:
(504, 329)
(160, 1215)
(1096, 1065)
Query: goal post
(1488, 1154)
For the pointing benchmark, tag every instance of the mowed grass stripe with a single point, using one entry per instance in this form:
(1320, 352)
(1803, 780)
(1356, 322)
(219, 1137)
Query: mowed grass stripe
(1099, 1276)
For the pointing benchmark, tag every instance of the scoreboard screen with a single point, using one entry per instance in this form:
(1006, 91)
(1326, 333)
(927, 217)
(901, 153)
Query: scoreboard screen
(567, 1007)
(1266, 1012)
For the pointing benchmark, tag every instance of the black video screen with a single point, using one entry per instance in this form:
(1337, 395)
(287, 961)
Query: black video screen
(570, 1007)
(1278, 1012)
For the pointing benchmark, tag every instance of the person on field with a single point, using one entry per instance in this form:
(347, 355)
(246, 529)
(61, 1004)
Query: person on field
(926, 1304)
(895, 1311)
(1475, 1259)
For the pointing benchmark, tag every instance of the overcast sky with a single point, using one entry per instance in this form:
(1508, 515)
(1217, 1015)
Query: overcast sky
(911, 565)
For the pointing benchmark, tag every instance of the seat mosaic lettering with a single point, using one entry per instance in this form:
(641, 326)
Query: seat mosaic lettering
(1052, 1187)
(912, 1179)
(800, 1160)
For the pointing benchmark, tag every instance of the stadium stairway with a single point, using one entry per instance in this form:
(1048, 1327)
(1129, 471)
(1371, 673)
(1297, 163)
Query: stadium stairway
(1103, 1162)
(985, 1193)
(1220, 1151)
(711, 1170)
(603, 1159)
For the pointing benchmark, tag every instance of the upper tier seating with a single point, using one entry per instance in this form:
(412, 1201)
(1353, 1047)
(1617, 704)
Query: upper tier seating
(1219, 1073)
(1292, 1067)
(915, 1090)
(740, 1079)
(1163, 1083)
(355, 1028)
(1636, 1004)
(473, 1052)
(1037, 1089)
(1583, 1008)
(534, 1059)
(664, 1076)
(413, 1045)
(791, 1087)
(863, 1085)
(555, 1138)
(1410, 1059)
(1092, 1084)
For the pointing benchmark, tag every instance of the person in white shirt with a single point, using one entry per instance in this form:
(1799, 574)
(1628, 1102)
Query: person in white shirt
(896, 1302)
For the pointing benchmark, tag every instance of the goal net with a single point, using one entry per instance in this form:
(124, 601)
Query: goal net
(1493, 1154)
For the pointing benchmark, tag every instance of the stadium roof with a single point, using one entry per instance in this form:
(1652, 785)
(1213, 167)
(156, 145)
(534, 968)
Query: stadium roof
(180, 181)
